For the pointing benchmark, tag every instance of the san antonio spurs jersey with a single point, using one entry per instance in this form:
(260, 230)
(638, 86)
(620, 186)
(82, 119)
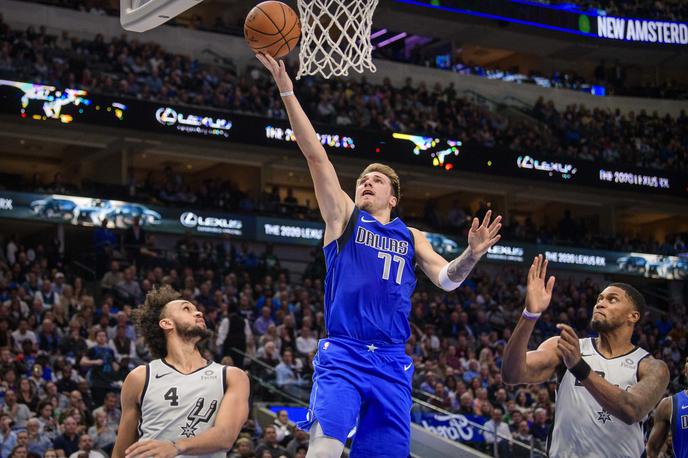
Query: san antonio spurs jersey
(582, 428)
(176, 406)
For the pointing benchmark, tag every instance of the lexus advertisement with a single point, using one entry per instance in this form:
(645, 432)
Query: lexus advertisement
(91, 212)
(48, 104)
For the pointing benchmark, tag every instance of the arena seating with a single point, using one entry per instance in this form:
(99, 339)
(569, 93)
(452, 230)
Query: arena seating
(147, 71)
(456, 344)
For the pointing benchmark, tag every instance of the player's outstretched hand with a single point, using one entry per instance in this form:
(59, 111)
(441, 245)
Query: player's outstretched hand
(568, 346)
(152, 449)
(482, 236)
(278, 72)
(538, 293)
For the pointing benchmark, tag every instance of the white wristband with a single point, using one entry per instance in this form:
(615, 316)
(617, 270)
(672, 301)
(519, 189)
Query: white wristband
(286, 94)
(447, 283)
(530, 315)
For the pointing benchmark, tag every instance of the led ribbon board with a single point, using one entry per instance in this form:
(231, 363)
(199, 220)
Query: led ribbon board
(565, 18)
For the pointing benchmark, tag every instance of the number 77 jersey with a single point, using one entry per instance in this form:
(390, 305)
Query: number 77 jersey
(370, 280)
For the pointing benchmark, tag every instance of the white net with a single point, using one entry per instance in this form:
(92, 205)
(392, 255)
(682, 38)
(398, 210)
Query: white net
(335, 36)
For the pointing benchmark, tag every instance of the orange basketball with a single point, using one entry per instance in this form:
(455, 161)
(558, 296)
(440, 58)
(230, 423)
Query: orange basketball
(272, 28)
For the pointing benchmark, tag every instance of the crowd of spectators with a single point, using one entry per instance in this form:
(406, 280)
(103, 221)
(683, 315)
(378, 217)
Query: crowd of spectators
(670, 10)
(428, 56)
(146, 71)
(567, 230)
(643, 139)
(66, 346)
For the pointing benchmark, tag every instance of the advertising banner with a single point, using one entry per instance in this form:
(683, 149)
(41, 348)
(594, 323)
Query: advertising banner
(453, 427)
(565, 17)
(289, 231)
(91, 212)
(68, 107)
(574, 258)
(295, 414)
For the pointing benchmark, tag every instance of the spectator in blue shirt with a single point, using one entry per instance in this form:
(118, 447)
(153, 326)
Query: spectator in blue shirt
(472, 371)
(38, 443)
(263, 322)
(101, 361)
(286, 375)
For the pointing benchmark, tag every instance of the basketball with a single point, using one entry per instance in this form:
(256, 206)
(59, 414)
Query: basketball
(272, 28)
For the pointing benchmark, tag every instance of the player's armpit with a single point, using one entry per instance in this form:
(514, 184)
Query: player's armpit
(127, 433)
(428, 260)
(230, 418)
(660, 429)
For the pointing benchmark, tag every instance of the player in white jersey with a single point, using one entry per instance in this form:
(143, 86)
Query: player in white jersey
(607, 386)
(180, 404)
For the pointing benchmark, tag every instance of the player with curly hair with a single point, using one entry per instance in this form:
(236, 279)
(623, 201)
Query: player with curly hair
(179, 404)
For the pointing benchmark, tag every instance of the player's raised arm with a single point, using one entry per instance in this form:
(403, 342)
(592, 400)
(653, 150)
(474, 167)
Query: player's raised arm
(127, 433)
(520, 365)
(219, 438)
(660, 429)
(450, 275)
(335, 205)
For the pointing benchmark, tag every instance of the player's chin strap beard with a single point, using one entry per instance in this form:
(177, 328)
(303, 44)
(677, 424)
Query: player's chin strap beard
(193, 332)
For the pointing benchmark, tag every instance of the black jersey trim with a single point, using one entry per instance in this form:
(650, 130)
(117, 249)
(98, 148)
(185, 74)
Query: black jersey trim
(225, 374)
(560, 372)
(348, 230)
(594, 346)
(172, 367)
(637, 368)
(550, 433)
(145, 385)
(143, 393)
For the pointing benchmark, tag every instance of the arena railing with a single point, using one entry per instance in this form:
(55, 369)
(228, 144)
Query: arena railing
(511, 447)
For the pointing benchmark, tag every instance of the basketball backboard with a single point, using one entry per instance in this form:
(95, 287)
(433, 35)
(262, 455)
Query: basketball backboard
(143, 15)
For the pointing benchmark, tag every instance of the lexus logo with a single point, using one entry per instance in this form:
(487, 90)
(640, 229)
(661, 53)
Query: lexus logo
(166, 116)
(189, 219)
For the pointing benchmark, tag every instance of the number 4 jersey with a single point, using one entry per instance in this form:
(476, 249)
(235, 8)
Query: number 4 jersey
(370, 280)
(177, 406)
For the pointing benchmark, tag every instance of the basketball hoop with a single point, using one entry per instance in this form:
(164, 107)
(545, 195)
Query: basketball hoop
(335, 36)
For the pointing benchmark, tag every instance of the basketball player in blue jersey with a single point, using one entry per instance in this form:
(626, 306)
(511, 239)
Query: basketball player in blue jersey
(671, 415)
(362, 380)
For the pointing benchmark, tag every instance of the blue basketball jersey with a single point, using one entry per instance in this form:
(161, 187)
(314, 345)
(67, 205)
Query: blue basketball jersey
(370, 280)
(679, 424)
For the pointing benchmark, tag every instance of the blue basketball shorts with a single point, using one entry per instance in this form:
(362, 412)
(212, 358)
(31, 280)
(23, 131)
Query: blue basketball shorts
(362, 391)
